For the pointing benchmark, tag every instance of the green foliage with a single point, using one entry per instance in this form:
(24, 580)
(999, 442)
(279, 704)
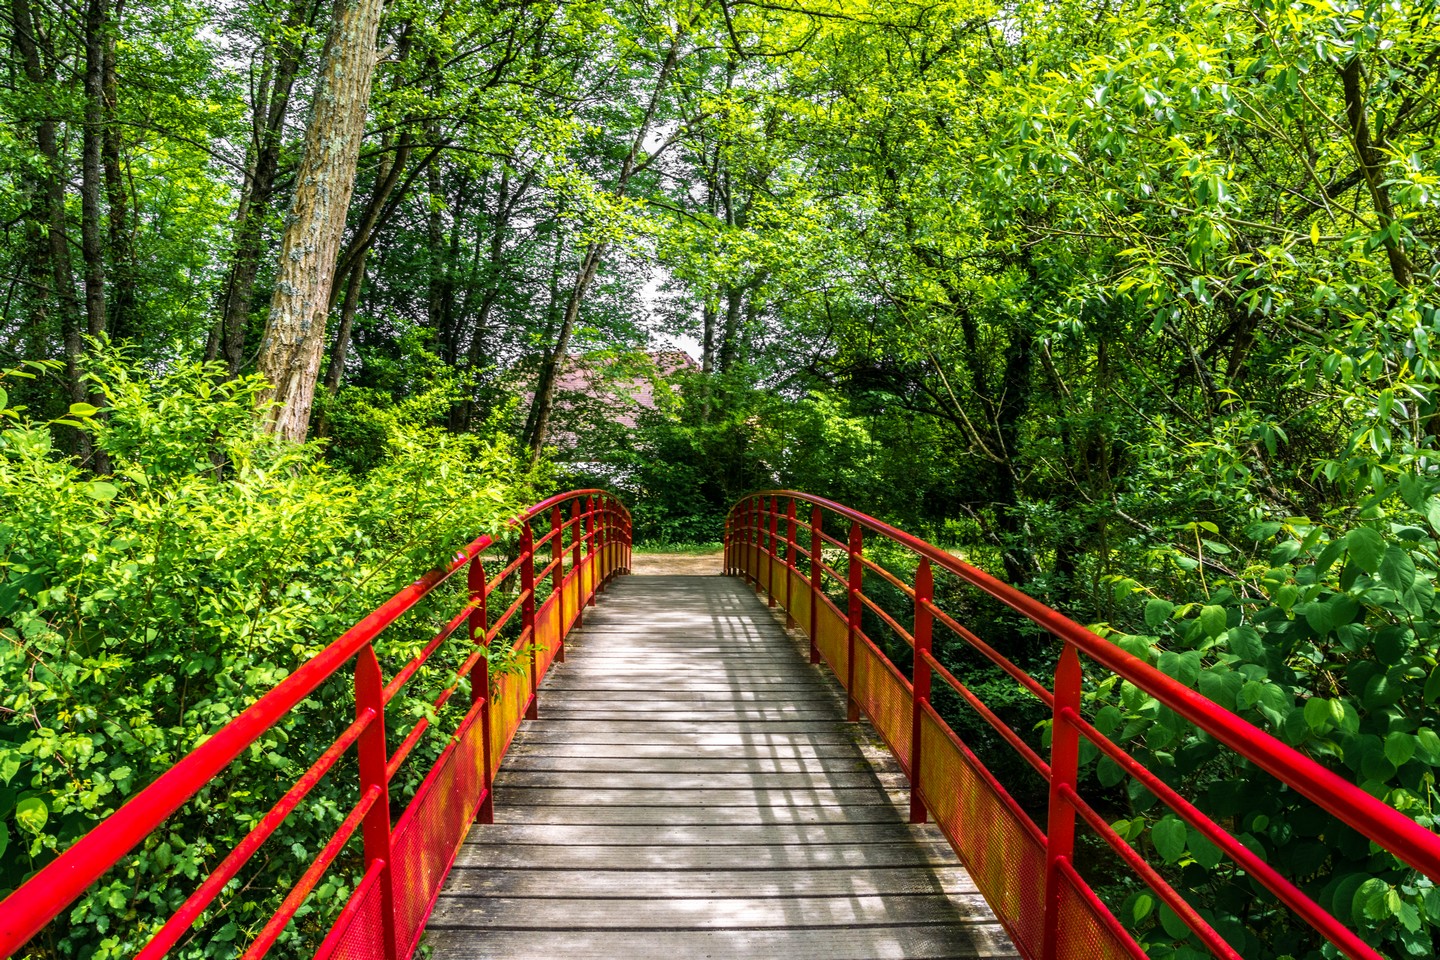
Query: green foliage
(141, 611)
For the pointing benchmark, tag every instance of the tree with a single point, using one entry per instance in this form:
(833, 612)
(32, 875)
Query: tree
(295, 333)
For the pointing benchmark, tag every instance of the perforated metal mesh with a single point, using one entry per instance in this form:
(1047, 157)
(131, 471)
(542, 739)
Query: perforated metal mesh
(831, 638)
(885, 697)
(507, 708)
(547, 635)
(1082, 935)
(360, 935)
(778, 573)
(800, 597)
(432, 829)
(1005, 859)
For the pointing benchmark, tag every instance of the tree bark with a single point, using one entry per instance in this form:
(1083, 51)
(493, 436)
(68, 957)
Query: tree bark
(52, 185)
(92, 168)
(1371, 158)
(121, 253)
(295, 332)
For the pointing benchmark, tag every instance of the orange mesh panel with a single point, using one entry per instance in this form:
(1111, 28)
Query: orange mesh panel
(1082, 934)
(432, 829)
(831, 639)
(507, 708)
(1006, 860)
(547, 635)
(363, 936)
(572, 602)
(800, 599)
(885, 697)
(778, 572)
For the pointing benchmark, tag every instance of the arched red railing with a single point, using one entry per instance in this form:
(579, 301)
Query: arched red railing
(405, 861)
(1026, 873)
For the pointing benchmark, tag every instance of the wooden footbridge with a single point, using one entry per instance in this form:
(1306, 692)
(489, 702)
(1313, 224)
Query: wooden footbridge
(664, 770)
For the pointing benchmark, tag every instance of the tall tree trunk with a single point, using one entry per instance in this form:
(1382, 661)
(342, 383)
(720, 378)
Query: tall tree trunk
(121, 253)
(335, 371)
(52, 185)
(1371, 158)
(92, 168)
(295, 333)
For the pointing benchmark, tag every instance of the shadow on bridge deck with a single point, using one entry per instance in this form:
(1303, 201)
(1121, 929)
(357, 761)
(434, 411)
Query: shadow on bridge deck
(692, 790)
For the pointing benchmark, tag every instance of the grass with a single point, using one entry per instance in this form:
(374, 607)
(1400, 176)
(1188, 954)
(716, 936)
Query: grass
(688, 549)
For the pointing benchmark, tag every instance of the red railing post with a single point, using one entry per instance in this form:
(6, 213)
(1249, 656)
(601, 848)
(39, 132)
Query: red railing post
(370, 749)
(789, 561)
(920, 679)
(577, 529)
(1064, 770)
(527, 614)
(773, 550)
(590, 546)
(557, 580)
(816, 582)
(856, 577)
(480, 683)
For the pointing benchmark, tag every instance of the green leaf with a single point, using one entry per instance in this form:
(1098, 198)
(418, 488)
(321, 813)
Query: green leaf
(1317, 714)
(102, 491)
(1184, 667)
(1397, 570)
(83, 410)
(1432, 693)
(1157, 612)
(1144, 903)
(4, 838)
(1169, 836)
(4, 399)
(1399, 748)
(1245, 643)
(31, 813)
(1367, 548)
(1212, 620)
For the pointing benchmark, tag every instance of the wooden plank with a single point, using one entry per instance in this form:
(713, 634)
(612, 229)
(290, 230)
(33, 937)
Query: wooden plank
(669, 913)
(693, 884)
(679, 762)
(938, 942)
(712, 816)
(700, 857)
(619, 780)
(746, 797)
(648, 835)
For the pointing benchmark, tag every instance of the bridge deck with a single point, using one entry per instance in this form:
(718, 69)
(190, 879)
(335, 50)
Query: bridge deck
(692, 790)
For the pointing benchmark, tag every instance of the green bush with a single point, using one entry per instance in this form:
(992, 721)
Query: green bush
(141, 611)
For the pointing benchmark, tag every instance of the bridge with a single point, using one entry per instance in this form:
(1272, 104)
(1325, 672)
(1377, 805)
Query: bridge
(760, 764)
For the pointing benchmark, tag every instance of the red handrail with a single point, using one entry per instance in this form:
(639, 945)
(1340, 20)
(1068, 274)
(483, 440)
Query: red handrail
(599, 553)
(753, 548)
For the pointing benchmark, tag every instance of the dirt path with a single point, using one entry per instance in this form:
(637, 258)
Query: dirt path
(689, 564)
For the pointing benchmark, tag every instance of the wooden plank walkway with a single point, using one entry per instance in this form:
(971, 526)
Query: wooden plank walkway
(691, 790)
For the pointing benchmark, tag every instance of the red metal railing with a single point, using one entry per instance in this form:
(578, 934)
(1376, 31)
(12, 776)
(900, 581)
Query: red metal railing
(1027, 874)
(405, 861)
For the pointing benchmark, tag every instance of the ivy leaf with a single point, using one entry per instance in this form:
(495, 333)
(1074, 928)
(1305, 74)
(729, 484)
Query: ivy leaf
(1367, 548)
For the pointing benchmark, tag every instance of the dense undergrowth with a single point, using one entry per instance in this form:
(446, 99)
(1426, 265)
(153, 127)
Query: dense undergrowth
(143, 609)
